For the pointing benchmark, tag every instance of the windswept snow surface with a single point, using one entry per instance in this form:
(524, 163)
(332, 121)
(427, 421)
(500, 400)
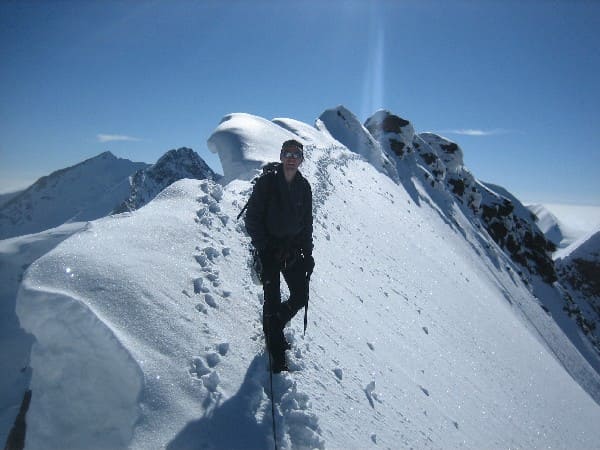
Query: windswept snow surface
(148, 331)
(16, 254)
(250, 143)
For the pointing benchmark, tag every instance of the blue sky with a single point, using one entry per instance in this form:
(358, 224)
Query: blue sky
(515, 84)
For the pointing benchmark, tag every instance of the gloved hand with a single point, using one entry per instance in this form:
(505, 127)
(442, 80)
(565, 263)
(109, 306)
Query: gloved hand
(309, 265)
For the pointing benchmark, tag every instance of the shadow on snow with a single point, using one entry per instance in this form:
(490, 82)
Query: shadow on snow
(241, 422)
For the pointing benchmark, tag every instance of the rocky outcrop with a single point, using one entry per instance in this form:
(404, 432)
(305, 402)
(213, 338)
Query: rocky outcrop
(439, 162)
(345, 127)
(513, 227)
(579, 273)
(172, 166)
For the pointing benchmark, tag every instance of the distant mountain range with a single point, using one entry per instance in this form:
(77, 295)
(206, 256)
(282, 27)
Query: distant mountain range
(94, 188)
(85, 191)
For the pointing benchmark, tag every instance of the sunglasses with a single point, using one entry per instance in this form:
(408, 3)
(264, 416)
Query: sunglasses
(289, 154)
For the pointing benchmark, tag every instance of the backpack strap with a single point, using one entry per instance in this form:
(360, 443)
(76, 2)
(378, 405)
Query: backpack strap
(268, 170)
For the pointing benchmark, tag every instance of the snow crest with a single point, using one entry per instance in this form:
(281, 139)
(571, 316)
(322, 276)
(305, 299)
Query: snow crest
(245, 143)
(345, 127)
(82, 375)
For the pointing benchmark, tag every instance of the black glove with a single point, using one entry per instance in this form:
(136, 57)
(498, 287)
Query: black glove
(309, 265)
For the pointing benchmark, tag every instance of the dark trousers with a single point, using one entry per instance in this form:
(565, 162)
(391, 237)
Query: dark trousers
(275, 313)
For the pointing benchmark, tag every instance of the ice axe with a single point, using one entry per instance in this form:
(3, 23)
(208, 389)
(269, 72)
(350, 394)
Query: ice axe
(306, 304)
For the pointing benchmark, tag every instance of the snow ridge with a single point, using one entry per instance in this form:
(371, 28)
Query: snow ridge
(345, 127)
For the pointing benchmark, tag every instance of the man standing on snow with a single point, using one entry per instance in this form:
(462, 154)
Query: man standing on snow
(280, 222)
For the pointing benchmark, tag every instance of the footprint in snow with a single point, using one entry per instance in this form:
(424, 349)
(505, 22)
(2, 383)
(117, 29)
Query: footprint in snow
(211, 381)
(212, 359)
(297, 421)
(211, 253)
(214, 190)
(202, 367)
(223, 348)
(371, 394)
(199, 286)
(338, 373)
(210, 301)
(211, 276)
(202, 260)
(199, 367)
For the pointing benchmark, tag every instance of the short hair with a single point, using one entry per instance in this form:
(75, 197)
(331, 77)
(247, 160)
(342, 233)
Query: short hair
(292, 143)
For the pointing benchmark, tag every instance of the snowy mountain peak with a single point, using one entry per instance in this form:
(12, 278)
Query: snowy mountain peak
(450, 153)
(85, 191)
(344, 126)
(393, 132)
(106, 155)
(174, 165)
(180, 163)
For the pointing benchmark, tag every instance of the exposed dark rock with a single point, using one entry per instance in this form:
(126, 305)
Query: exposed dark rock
(590, 272)
(16, 437)
(458, 186)
(429, 158)
(449, 148)
(397, 147)
(393, 124)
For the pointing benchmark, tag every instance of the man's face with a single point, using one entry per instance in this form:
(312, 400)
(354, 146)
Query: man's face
(291, 158)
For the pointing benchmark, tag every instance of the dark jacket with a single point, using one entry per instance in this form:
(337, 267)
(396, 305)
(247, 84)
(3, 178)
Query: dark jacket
(279, 215)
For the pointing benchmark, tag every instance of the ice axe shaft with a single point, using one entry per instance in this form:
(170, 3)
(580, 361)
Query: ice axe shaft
(306, 304)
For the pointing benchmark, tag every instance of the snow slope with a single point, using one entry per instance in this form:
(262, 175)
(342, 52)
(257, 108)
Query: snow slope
(85, 191)
(16, 254)
(148, 334)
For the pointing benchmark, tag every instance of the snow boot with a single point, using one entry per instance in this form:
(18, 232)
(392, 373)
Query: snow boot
(278, 362)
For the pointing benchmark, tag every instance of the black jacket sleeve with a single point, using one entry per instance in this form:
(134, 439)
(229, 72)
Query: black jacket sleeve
(256, 212)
